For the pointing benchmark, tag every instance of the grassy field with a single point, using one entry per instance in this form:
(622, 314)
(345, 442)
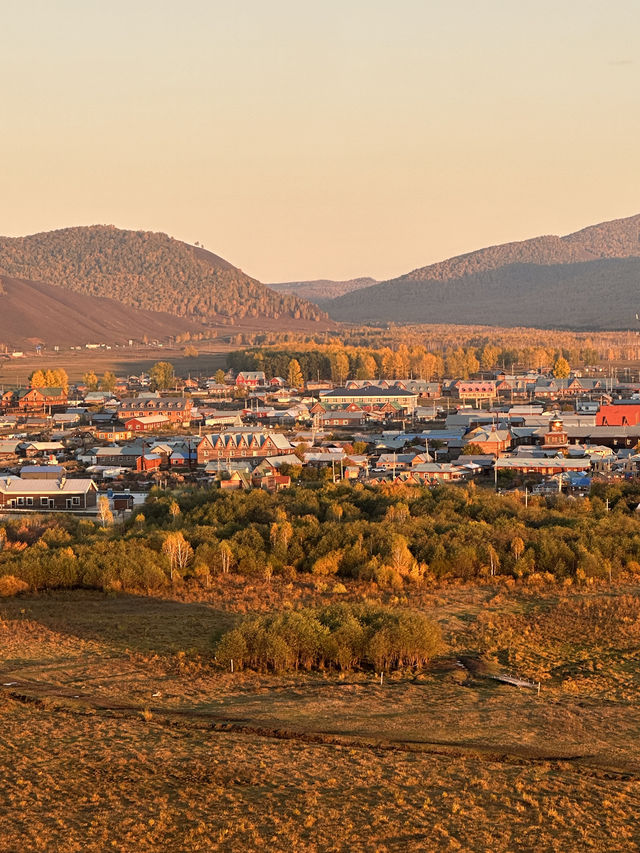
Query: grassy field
(123, 362)
(119, 733)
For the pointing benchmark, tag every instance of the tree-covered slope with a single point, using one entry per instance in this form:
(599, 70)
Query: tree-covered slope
(322, 291)
(581, 280)
(601, 294)
(146, 270)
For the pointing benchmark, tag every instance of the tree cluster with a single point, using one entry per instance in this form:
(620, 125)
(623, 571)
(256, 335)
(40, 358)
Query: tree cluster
(341, 636)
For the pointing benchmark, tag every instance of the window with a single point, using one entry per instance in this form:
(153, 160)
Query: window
(76, 501)
(44, 501)
(20, 501)
(29, 501)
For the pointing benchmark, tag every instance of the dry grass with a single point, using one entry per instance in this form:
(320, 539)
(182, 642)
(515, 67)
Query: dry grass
(115, 739)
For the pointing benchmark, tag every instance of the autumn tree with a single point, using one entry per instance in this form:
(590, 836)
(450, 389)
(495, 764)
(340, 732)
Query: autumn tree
(489, 357)
(561, 368)
(179, 552)
(162, 375)
(108, 381)
(295, 378)
(401, 362)
(104, 510)
(219, 377)
(367, 367)
(36, 380)
(90, 380)
(226, 557)
(339, 367)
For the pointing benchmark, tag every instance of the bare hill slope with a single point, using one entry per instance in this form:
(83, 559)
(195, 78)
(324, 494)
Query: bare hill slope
(34, 312)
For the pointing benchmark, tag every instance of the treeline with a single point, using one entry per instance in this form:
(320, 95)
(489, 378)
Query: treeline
(339, 363)
(341, 636)
(395, 537)
(521, 347)
(146, 270)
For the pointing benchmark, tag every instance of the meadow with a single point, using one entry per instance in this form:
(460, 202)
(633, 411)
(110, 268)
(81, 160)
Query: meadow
(121, 732)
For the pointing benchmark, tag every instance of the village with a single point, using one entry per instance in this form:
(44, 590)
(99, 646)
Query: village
(65, 448)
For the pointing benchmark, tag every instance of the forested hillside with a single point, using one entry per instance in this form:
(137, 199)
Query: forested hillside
(146, 270)
(602, 294)
(584, 280)
(323, 290)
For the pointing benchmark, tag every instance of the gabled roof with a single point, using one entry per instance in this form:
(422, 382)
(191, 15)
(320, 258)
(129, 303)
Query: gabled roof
(15, 485)
(367, 391)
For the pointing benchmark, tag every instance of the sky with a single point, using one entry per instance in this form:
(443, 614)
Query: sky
(303, 140)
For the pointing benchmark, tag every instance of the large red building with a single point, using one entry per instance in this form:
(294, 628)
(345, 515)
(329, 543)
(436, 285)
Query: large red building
(619, 413)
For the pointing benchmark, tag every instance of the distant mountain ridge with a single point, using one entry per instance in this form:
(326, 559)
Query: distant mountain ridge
(522, 283)
(146, 270)
(323, 290)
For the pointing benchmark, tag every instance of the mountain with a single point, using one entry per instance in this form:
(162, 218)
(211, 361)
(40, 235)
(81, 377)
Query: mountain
(589, 279)
(34, 312)
(148, 271)
(322, 291)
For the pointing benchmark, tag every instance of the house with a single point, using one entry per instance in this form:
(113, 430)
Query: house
(271, 482)
(439, 472)
(277, 382)
(239, 445)
(114, 434)
(46, 495)
(184, 455)
(395, 461)
(41, 448)
(38, 399)
(213, 418)
(250, 379)
(541, 465)
(147, 423)
(342, 419)
(236, 480)
(123, 457)
(218, 390)
(148, 462)
(494, 441)
(98, 398)
(121, 501)
(8, 450)
(272, 464)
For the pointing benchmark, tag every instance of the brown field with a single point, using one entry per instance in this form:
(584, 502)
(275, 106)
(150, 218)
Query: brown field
(123, 362)
(119, 733)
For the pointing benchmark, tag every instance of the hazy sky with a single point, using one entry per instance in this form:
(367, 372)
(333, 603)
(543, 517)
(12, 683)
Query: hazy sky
(302, 139)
